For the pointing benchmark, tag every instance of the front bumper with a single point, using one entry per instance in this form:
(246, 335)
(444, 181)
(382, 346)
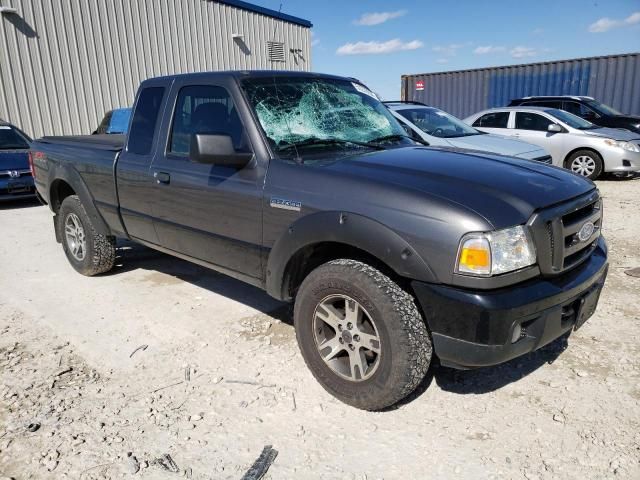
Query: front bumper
(476, 328)
(617, 160)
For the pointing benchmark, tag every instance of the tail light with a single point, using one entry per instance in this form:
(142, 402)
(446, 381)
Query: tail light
(35, 156)
(33, 170)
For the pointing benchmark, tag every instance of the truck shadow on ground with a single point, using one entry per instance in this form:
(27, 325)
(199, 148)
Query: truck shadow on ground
(18, 203)
(165, 269)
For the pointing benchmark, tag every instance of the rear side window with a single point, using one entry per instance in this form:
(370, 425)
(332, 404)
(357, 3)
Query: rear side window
(493, 120)
(203, 109)
(10, 139)
(145, 119)
(532, 121)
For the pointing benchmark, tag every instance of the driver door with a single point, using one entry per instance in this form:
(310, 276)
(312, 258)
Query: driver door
(533, 128)
(207, 212)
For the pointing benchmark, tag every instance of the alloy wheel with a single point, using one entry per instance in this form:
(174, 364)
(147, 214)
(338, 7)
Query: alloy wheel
(346, 337)
(76, 240)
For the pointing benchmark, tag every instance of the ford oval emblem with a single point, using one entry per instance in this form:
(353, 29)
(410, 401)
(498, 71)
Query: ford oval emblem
(586, 231)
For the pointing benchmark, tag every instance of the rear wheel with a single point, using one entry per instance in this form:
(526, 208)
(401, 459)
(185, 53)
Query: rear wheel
(586, 163)
(89, 252)
(361, 335)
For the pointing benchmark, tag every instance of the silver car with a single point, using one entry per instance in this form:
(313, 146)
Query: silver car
(440, 129)
(573, 142)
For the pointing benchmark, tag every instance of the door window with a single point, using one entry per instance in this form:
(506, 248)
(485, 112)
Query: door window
(145, 118)
(532, 121)
(203, 109)
(579, 109)
(493, 120)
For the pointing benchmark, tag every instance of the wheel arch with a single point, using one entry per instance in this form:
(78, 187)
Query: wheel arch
(589, 149)
(64, 182)
(325, 236)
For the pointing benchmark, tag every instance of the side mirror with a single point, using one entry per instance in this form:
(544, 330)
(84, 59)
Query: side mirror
(216, 150)
(555, 128)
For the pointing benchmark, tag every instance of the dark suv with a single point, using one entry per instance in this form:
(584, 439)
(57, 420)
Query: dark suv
(585, 107)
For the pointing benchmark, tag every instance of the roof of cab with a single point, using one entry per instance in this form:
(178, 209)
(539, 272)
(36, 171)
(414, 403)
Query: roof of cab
(243, 74)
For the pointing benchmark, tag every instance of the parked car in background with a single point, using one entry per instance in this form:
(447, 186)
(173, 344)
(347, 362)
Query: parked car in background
(306, 186)
(16, 179)
(440, 129)
(114, 122)
(573, 142)
(584, 107)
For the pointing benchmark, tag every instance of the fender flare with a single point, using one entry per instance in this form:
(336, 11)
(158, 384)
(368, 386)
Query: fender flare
(346, 228)
(72, 177)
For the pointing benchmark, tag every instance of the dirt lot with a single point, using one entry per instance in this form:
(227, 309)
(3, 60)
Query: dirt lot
(221, 377)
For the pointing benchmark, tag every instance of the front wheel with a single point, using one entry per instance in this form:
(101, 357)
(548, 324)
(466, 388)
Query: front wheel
(361, 334)
(585, 163)
(89, 252)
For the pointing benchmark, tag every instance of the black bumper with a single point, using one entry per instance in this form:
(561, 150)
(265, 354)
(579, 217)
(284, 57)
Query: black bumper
(476, 328)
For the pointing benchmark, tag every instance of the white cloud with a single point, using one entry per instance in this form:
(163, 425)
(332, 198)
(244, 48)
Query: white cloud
(448, 50)
(377, 48)
(315, 41)
(523, 52)
(483, 50)
(605, 24)
(376, 18)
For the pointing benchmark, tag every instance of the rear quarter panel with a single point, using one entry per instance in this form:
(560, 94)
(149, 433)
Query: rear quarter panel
(88, 169)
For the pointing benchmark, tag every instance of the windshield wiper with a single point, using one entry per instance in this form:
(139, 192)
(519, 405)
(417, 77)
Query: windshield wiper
(397, 136)
(327, 141)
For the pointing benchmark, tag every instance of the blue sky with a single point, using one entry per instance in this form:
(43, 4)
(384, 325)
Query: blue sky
(430, 36)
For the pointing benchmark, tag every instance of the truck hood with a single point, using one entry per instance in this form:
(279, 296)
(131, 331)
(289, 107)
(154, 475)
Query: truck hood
(613, 133)
(628, 118)
(14, 160)
(497, 144)
(504, 191)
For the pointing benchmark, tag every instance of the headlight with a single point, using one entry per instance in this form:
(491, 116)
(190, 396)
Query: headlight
(631, 147)
(493, 253)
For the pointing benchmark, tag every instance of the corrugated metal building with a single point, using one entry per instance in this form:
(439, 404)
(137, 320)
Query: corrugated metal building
(64, 63)
(614, 80)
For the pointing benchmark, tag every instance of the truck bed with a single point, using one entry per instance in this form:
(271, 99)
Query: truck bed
(88, 163)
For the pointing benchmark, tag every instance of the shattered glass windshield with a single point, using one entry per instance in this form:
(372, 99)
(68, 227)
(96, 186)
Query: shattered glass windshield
(300, 113)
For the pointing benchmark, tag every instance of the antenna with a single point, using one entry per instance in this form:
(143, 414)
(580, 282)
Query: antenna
(275, 29)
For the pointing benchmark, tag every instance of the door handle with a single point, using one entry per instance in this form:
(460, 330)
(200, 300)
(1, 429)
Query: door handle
(162, 177)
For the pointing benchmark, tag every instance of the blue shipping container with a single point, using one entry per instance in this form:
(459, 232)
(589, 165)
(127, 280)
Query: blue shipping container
(614, 80)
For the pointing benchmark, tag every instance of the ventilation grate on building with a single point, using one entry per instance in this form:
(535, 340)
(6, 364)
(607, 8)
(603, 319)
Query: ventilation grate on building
(275, 51)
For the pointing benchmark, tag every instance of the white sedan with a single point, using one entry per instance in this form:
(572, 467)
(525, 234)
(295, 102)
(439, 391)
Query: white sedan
(572, 142)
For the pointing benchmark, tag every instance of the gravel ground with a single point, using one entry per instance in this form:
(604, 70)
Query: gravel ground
(219, 376)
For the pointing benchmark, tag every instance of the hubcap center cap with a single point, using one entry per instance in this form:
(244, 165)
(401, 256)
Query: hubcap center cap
(346, 336)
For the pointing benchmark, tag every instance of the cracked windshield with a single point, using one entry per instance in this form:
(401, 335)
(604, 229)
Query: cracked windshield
(310, 114)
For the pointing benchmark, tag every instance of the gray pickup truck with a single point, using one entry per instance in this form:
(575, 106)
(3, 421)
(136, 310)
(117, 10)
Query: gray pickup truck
(306, 186)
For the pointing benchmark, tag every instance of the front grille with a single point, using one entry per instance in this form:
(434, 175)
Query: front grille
(555, 233)
(545, 159)
(14, 173)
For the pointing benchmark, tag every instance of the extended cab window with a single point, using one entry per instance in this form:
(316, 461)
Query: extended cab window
(145, 119)
(532, 121)
(493, 120)
(203, 109)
